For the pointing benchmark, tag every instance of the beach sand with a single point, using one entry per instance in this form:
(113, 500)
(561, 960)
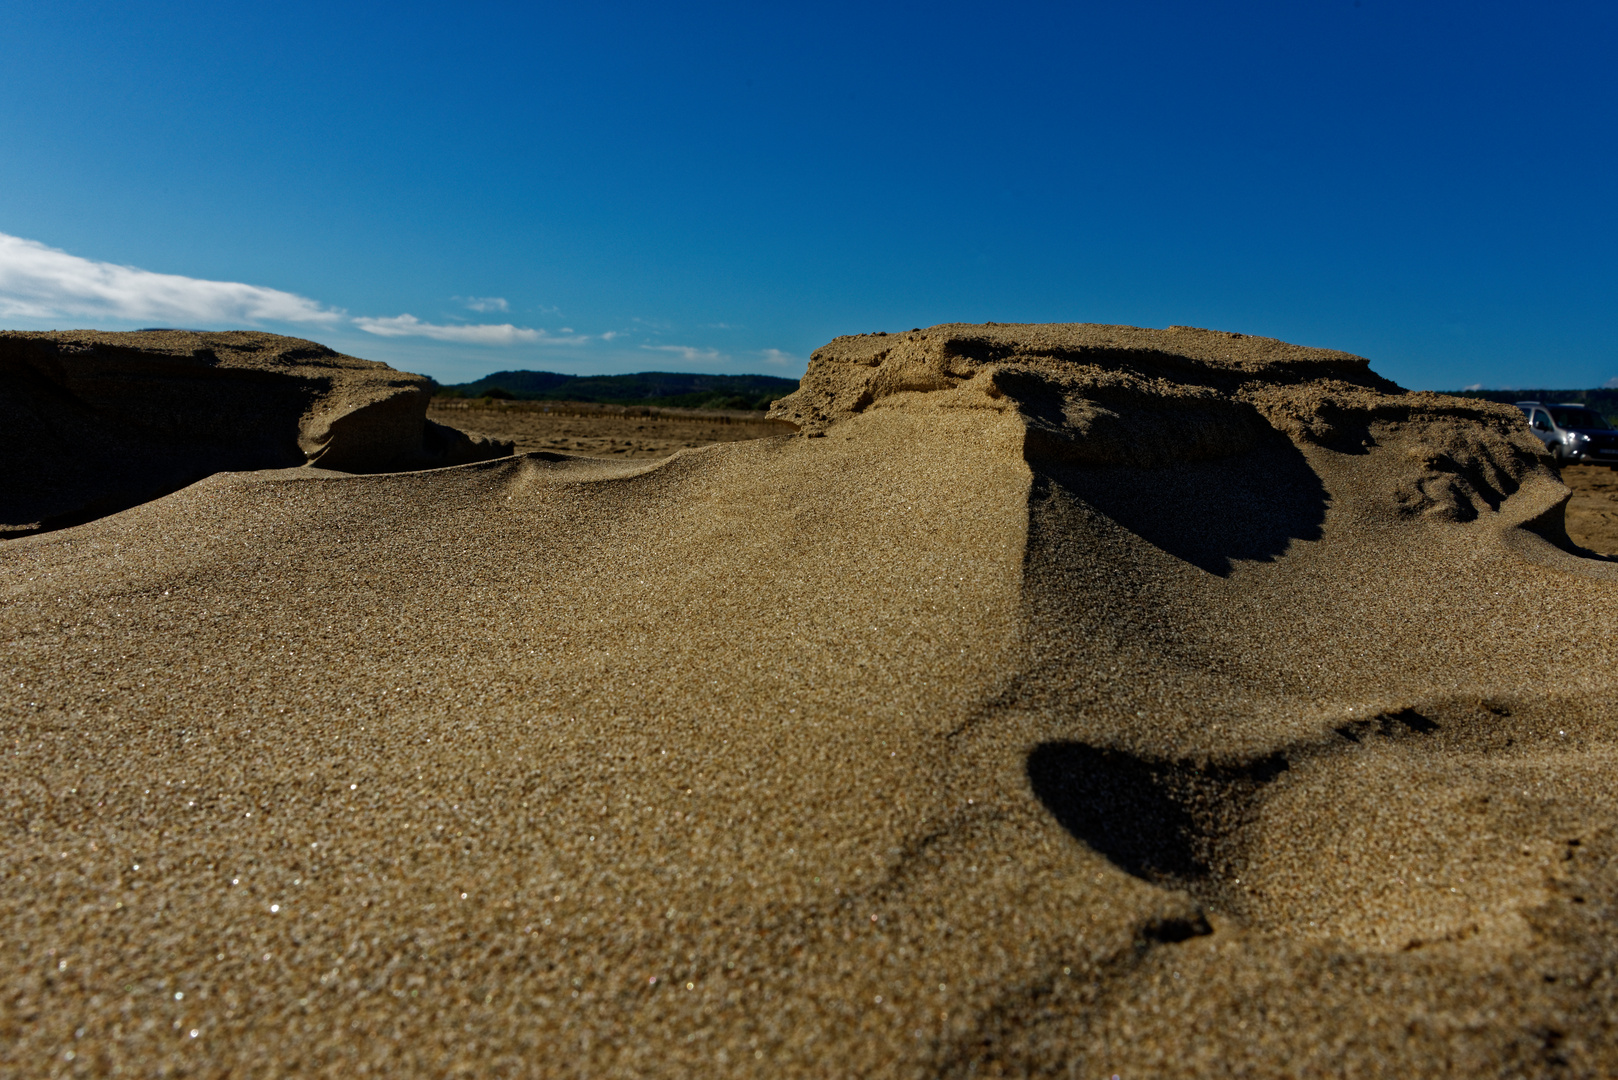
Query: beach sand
(1064, 700)
(1592, 513)
(600, 431)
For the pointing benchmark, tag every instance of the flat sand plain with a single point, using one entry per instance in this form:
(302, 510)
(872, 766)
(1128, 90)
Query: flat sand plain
(564, 427)
(1592, 513)
(1063, 701)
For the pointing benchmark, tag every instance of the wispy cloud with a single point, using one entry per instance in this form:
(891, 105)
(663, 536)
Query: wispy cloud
(39, 282)
(692, 354)
(410, 326)
(484, 303)
(689, 353)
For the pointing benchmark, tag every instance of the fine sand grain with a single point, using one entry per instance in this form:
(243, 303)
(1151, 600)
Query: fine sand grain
(1065, 700)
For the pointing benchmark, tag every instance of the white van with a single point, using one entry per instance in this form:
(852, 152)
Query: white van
(1573, 433)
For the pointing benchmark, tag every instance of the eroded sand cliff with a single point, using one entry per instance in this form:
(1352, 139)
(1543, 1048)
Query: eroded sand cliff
(100, 421)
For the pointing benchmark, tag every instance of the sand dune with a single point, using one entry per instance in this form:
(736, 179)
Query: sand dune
(1067, 700)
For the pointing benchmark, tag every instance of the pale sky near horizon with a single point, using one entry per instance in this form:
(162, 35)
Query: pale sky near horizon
(459, 189)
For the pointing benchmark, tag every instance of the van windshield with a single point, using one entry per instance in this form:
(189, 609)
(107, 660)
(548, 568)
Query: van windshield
(1580, 418)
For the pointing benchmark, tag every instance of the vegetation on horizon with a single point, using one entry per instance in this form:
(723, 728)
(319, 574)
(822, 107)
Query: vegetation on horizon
(674, 389)
(1603, 401)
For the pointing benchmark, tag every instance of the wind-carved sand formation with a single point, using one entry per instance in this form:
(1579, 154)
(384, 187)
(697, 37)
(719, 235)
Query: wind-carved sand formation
(1066, 700)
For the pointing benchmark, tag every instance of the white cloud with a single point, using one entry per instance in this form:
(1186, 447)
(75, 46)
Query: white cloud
(410, 326)
(39, 282)
(688, 353)
(1610, 384)
(776, 356)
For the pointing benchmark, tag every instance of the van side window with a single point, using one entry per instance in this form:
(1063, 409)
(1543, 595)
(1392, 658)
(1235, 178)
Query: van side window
(1540, 420)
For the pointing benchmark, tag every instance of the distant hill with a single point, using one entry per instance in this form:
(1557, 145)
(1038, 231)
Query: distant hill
(1604, 401)
(681, 389)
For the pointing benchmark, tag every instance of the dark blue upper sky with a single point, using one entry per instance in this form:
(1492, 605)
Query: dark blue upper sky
(725, 187)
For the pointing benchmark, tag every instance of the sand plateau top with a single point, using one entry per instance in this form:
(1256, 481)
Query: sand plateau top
(1069, 700)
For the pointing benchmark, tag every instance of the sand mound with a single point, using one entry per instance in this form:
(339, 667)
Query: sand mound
(99, 421)
(1067, 701)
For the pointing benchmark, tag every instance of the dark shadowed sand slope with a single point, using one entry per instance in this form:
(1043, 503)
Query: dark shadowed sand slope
(1065, 700)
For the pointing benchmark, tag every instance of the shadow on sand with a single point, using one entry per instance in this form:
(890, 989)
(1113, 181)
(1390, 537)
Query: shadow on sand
(1210, 513)
(1161, 821)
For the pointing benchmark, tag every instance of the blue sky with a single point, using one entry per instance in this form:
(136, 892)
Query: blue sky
(461, 188)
